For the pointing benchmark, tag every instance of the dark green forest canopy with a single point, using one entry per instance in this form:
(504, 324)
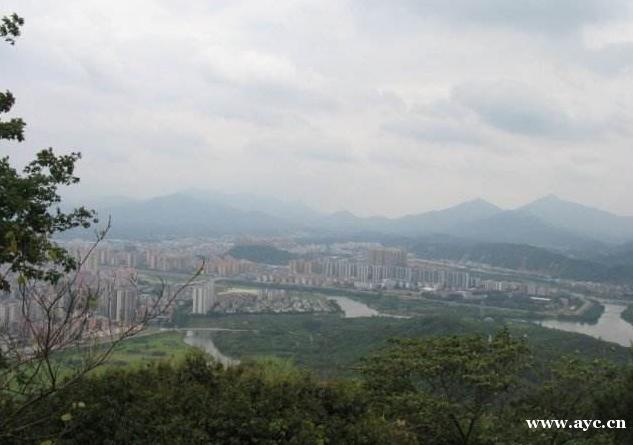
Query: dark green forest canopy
(261, 254)
(464, 389)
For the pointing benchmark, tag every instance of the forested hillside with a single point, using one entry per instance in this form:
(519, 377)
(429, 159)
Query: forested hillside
(528, 258)
(444, 390)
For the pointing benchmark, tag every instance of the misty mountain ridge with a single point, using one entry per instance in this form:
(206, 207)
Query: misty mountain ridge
(182, 214)
(582, 220)
(548, 222)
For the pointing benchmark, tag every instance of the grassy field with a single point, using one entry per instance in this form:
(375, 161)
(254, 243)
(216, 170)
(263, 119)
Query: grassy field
(160, 346)
(139, 351)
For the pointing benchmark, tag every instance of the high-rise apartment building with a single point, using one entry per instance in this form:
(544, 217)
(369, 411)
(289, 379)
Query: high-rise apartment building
(125, 308)
(387, 257)
(203, 297)
(9, 313)
(118, 302)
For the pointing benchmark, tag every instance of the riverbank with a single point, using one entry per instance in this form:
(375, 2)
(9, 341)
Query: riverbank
(610, 327)
(412, 304)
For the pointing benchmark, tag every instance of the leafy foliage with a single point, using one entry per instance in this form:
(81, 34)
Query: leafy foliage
(10, 27)
(14, 128)
(29, 214)
(466, 379)
(445, 390)
(572, 389)
(198, 402)
(27, 221)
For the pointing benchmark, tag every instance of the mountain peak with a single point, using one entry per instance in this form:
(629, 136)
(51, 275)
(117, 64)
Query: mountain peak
(550, 198)
(482, 201)
(581, 219)
(345, 214)
(552, 201)
(478, 203)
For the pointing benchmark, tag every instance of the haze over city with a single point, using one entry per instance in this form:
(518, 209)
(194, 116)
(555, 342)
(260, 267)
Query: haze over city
(316, 222)
(382, 108)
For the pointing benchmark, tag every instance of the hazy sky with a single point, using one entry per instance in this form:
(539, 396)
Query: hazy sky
(379, 107)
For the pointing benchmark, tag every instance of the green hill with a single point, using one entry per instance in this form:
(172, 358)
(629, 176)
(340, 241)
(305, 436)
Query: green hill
(526, 258)
(261, 254)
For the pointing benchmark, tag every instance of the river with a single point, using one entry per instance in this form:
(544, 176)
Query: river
(204, 341)
(356, 309)
(351, 309)
(610, 326)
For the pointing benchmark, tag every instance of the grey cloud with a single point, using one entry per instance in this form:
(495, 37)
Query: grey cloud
(548, 16)
(612, 59)
(329, 155)
(290, 98)
(273, 84)
(238, 104)
(269, 92)
(311, 147)
(512, 107)
(516, 108)
(404, 163)
(446, 132)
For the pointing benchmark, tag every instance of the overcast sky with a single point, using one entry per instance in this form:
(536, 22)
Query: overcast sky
(378, 107)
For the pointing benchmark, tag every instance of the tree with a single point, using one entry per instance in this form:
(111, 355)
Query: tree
(14, 128)
(28, 219)
(446, 388)
(42, 285)
(574, 389)
(10, 27)
(29, 211)
(201, 402)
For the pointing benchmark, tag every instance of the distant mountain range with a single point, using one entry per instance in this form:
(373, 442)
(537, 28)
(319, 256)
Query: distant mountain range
(548, 222)
(581, 220)
(184, 214)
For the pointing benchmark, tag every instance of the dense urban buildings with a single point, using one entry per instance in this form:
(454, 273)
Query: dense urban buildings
(127, 276)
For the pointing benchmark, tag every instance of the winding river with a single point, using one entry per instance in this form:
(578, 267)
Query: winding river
(204, 341)
(610, 326)
(351, 309)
